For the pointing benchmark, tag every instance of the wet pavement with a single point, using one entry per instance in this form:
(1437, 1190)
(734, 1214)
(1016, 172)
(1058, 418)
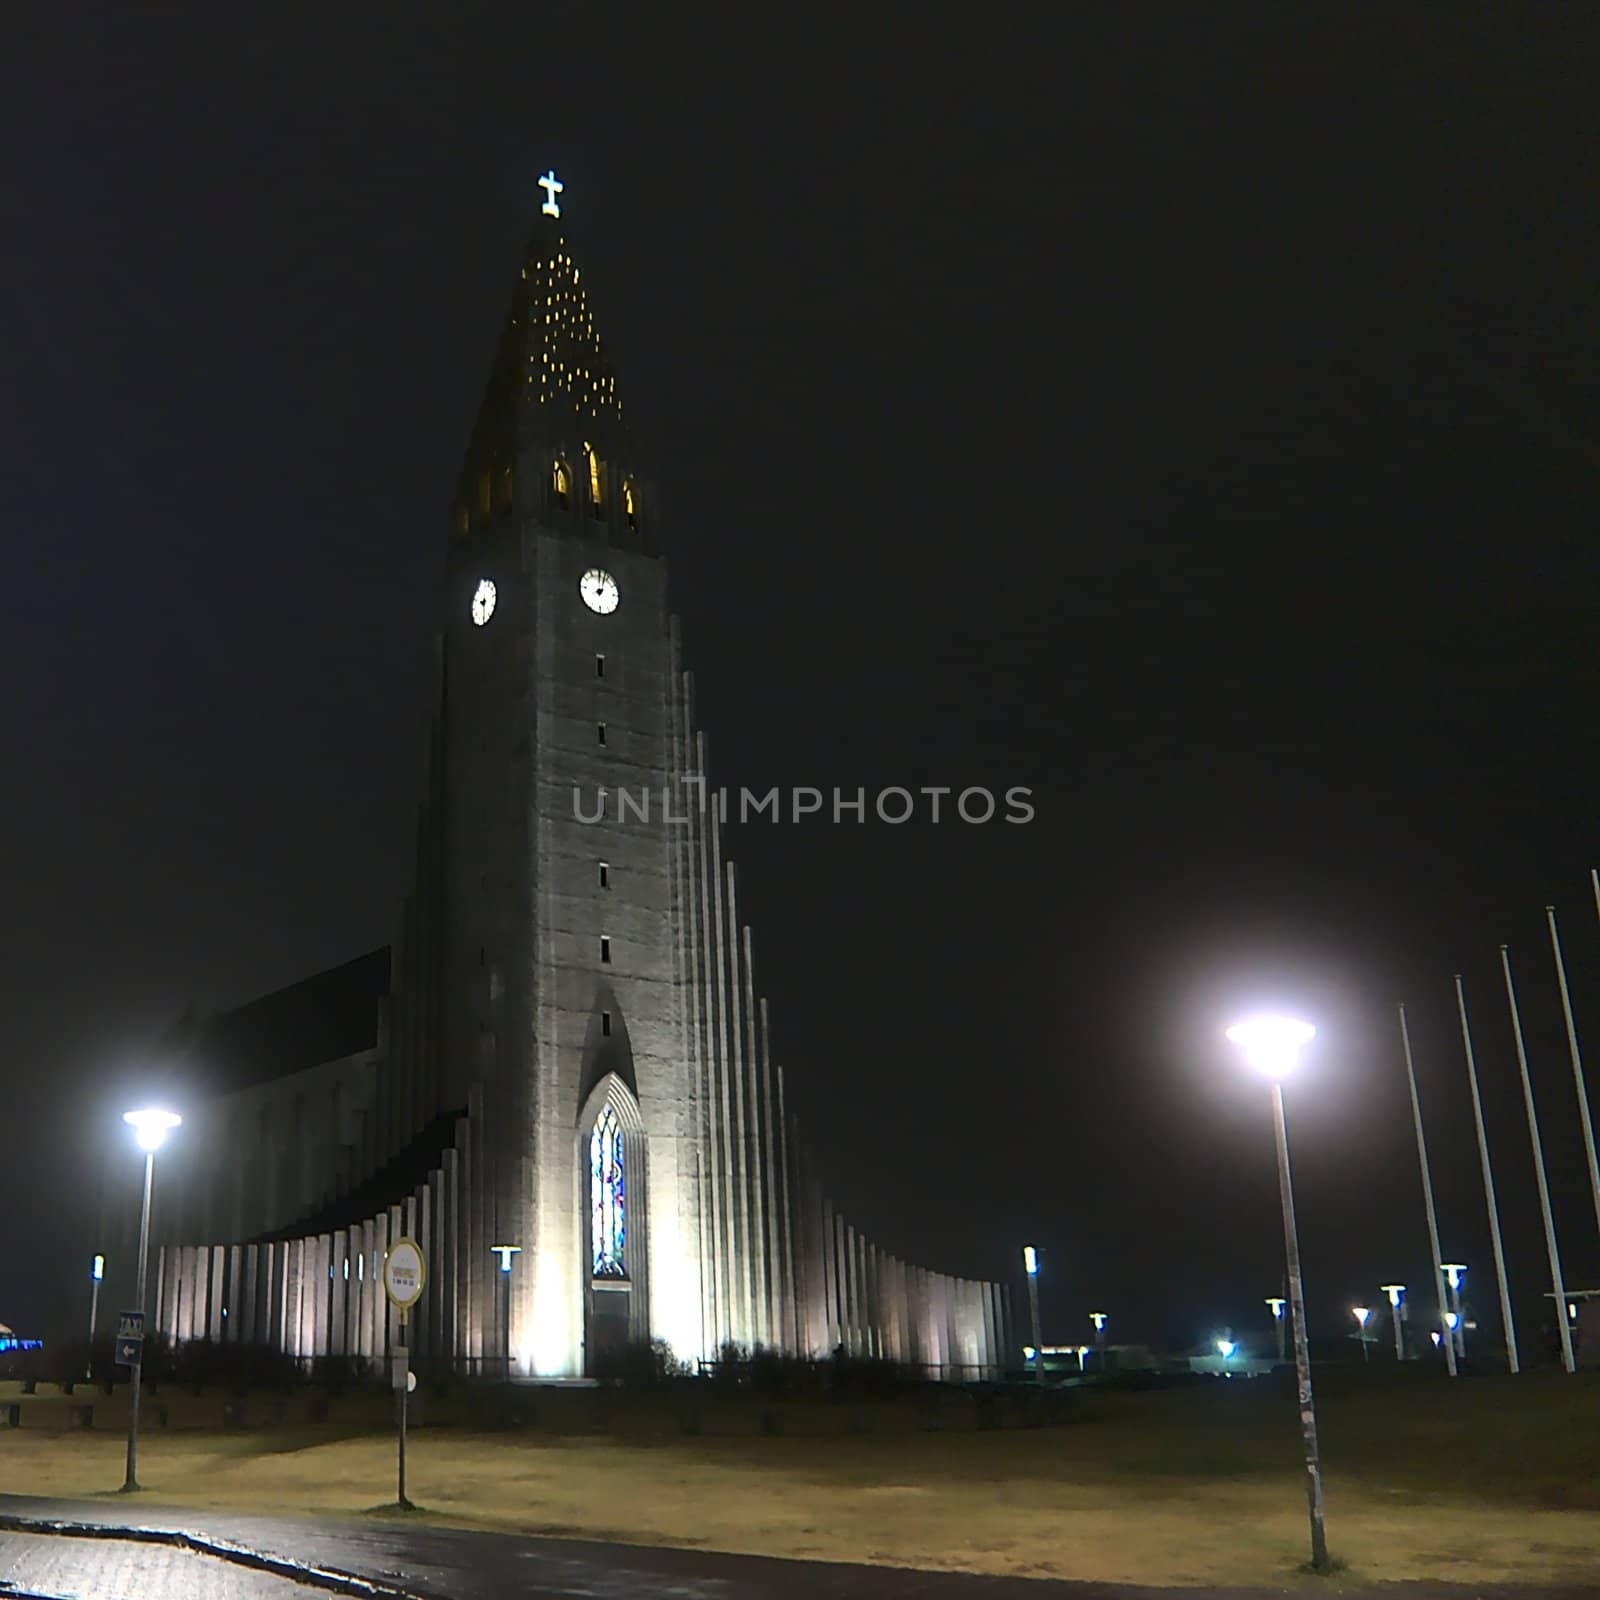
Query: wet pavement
(392, 1559)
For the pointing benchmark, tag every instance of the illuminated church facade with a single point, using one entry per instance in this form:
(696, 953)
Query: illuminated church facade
(560, 1079)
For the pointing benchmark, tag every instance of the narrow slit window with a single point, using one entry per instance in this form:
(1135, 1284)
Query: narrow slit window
(600, 732)
(605, 1024)
(605, 874)
(605, 948)
(599, 666)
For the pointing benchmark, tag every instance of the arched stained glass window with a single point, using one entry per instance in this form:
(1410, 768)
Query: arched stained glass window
(607, 1199)
(560, 481)
(596, 498)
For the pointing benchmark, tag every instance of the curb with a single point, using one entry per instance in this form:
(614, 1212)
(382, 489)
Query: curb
(327, 1579)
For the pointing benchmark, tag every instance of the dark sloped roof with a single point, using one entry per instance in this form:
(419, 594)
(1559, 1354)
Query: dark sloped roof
(321, 1018)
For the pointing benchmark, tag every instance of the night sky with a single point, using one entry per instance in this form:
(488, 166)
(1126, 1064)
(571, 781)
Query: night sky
(1187, 412)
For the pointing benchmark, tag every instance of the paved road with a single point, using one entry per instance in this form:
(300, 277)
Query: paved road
(390, 1560)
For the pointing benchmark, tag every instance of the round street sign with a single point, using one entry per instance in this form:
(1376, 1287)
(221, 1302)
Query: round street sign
(405, 1273)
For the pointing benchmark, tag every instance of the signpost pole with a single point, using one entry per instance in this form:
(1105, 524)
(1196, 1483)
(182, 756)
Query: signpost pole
(405, 1275)
(405, 1399)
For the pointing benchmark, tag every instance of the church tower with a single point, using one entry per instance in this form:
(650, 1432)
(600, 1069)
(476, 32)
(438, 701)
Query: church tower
(571, 1102)
(560, 975)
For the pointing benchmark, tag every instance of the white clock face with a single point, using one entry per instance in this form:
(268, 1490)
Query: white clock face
(483, 598)
(599, 591)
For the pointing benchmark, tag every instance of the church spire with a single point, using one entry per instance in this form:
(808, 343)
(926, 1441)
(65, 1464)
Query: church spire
(551, 383)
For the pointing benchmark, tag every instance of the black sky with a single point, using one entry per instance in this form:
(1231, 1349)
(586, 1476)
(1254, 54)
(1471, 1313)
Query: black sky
(1188, 412)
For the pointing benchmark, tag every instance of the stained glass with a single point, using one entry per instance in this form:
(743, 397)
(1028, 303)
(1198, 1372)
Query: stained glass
(607, 1214)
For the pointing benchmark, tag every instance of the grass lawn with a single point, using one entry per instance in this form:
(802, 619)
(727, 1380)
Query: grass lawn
(1487, 1480)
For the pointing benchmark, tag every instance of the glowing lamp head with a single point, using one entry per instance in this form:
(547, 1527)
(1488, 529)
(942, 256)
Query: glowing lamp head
(151, 1127)
(1098, 1318)
(1452, 1321)
(1226, 1347)
(1028, 1352)
(1277, 1305)
(1452, 1271)
(1437, 1337)
(1394, 1291)
(98, 1270)
(1271, 1044)
(1361, 1313)
(1030, 1260)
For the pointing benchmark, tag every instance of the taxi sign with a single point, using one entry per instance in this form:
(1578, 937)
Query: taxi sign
(405, 1273)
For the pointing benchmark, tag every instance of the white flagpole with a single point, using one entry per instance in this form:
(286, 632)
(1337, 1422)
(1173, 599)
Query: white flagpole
(1538, 1168)
(1577, 1060)
(1488, 1185)
(1427, 1200)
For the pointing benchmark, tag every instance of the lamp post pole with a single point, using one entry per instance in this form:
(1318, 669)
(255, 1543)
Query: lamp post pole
(150, 1128)
(1272, 1045)
(131, 1480)
(1030, 1265)
(1361, 1313)
(96, 1273)
(1302, 1352)
(506, 1253)
(1394, 1292)
(1452, 1271)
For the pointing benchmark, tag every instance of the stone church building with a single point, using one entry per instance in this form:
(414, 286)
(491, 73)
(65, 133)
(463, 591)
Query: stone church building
(559, 1080)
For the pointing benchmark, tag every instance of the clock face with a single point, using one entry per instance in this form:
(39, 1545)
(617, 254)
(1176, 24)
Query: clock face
(483, 598)
(599, 591)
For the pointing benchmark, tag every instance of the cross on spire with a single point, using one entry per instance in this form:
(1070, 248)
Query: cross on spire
(552, 186)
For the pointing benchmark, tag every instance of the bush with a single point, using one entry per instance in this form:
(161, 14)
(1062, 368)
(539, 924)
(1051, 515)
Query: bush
(640, 1364)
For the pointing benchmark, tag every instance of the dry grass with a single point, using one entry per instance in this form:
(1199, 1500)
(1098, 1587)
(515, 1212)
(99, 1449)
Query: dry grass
(1488, 1481)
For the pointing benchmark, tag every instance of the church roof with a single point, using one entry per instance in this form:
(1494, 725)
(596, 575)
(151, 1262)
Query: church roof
(325, 1017)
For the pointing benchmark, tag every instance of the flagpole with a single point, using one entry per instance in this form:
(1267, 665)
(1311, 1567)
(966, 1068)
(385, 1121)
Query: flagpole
(1538, 1168)
(1488, 1185)
(1577, 1059)
(1427, 1199)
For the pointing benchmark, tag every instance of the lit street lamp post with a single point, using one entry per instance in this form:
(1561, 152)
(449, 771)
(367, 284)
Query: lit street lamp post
(1030, 1265)
(1276, 1304)
(150, 1128)
(505, 1253)
(1272, 1045)
(96, 1273)
(1098, 1318)
(1361, 1313)
(1394, 1292)
(1452, 1271)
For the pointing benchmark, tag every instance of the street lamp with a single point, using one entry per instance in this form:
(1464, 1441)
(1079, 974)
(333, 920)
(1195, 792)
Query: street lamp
(1226, 1347)
(1276, 1305)
(506, 1252)
(1361, 1313)
(1272, 1045)
(96, 1272)
(150, 1129)
(1030, 1265)
(1453, 1271)
(1394, 1292)
(1099, 1319)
